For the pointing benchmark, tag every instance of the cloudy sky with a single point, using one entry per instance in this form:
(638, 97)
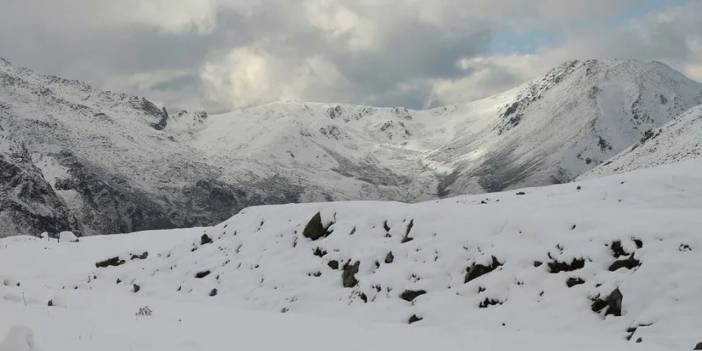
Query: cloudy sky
(223, 54)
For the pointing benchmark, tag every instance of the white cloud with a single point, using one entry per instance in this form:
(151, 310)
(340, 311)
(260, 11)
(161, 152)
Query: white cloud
(246, 76)
(340, 23)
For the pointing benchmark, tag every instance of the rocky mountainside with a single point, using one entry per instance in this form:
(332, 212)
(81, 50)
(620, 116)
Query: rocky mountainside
(118, 163)
(678, 140)
(114, 162)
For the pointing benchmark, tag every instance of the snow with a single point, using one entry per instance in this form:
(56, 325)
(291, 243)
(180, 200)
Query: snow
(678, 140)
(275, 288)
(67, 237)
(19, 338)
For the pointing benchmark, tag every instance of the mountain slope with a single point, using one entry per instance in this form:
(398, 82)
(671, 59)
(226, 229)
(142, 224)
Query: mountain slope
(548, 131)
(678, 140)
(118, 163)
(565, 262)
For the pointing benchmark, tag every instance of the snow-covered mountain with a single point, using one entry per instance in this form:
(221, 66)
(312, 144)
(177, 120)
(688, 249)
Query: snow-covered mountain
(678, 140)
(605, 264)
(116, 163)
(119, 163)
(547, 131)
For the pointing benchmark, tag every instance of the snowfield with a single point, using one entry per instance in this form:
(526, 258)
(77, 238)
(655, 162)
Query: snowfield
(604, 264)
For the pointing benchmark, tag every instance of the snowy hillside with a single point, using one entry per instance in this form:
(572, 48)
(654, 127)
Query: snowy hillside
(117, 163)
(566, 266)
(547, 131)
(679, 140)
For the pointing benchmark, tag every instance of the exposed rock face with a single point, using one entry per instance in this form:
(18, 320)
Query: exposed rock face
(28, 204)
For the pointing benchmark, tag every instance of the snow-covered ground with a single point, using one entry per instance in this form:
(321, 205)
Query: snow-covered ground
(524, 269)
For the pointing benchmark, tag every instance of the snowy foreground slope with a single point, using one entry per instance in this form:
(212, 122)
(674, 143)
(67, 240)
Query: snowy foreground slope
(605, 264)
(114, 163)
(678, 140)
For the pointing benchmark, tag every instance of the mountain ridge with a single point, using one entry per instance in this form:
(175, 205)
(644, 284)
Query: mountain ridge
(120, 163)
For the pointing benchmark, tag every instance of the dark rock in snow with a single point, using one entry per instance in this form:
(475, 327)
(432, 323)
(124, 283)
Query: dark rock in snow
(629, 263)
(333, 264)
(477, 270)
(143, 256)
(612, 303)
(557, 266)
(414, 318)
(407, 238)
(573, 281)
(389, 257)
(348, 276)
(202, 274)
(205, 239)
(410, 295)
(489, 302)
(114, 261)
(618, 249)
(319, 252)
(314, 229)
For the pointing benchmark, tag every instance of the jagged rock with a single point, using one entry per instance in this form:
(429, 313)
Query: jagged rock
(136, 288)
(618, 249)
(477, 270)
(319, 252)
(314, 229)
(348, 276)
(202, 274)
(410, 295)
(407, 238)
(389, 257)
(205, 239)
(629, 263)
(557, 266)
(414, 318)
(143, 256)
(573, 281)
(27, 201)
(489, 302)
(612, 303)
(698, 346)
(333, 264)
(113, 261)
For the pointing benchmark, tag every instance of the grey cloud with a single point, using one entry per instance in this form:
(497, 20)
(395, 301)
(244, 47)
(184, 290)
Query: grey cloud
(402, 52)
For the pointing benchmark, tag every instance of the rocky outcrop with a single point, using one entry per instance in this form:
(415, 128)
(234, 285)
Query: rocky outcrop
(28, 203)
